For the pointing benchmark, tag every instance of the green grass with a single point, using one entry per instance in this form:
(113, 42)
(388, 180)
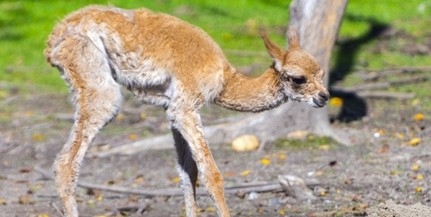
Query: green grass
(411, 17)
(25, 25)
(311, 142)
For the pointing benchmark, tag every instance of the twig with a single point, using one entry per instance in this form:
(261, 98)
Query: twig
(55, 207)
(164, 192)
(132, 209)
(244, 188)
(45, 174)
(154, 143)
(149, 193)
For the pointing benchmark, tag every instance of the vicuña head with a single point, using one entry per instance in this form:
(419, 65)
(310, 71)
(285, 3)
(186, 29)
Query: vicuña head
(301, 75)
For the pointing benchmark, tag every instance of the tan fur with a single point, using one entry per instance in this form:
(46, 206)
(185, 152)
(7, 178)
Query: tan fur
(169, 63)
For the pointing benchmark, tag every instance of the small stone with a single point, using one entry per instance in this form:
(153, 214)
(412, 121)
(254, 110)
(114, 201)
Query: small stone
(245, 143)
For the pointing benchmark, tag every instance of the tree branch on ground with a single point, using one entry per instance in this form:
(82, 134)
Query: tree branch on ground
(237, 189)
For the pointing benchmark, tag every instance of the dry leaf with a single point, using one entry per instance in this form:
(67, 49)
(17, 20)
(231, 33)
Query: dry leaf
(416, 167)
(381, 132)
(133, 136)
(393, 172)
(120, 117)
(282, 156)
(25, 199)
(265, 161)
(414, 142)
(416, 102)
(245, 173)
(210, 209)
(2, 201)
(418, 117)
(38, 137)
(324, 147)
(418, 189)
(319, 173)
(399, 135)
(110, 182)
(176, 179)
(320, 191)
(245, 143)
(139, 180)
(383, 149)
(43, 215)
(419, 177)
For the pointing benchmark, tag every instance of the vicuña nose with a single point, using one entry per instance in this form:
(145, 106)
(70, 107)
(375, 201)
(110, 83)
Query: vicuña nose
(323, 95)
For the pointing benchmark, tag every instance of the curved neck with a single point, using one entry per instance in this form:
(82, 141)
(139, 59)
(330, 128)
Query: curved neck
(243, 93)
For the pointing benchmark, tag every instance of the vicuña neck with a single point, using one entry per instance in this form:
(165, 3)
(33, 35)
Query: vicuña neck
(253, 94)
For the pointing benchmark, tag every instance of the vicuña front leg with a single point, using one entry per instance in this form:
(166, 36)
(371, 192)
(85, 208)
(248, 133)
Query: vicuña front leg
(187, 122)
(187, 171)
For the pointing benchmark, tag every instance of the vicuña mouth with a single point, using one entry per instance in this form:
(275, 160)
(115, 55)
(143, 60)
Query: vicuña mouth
(319, 103)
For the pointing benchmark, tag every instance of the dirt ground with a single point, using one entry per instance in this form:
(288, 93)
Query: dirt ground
(383, 176)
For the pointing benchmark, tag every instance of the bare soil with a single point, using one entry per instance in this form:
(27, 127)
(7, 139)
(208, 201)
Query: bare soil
(348, 181)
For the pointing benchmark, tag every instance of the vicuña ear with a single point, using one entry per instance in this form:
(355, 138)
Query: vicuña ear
(292, 35)
(274, 51)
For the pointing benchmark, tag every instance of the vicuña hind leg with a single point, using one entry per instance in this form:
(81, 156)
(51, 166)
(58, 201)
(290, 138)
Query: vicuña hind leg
(97, 98)
(94, 108)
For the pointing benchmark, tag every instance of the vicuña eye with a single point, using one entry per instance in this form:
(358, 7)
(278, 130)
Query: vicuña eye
(299, 80)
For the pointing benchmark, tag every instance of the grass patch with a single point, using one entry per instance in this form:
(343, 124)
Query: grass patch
(311, 142)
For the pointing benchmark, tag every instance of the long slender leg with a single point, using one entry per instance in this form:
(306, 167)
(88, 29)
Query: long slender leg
(187, 122)
(188, 172)
(97, 98)
(94, 110)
